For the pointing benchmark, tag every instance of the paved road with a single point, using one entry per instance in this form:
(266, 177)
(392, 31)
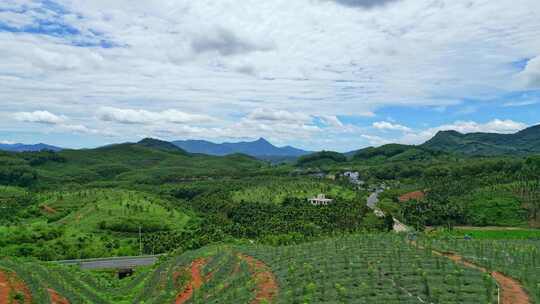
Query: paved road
(372, 201)
(112, 263)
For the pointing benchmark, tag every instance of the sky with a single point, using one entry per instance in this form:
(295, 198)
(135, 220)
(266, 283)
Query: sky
(316, 74)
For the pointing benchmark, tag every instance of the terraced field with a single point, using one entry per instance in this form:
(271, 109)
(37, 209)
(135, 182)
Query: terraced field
(373, 268)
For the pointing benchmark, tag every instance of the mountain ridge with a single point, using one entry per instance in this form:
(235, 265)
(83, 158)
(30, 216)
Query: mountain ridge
(523, 142)
(260, 148)
(18, 147)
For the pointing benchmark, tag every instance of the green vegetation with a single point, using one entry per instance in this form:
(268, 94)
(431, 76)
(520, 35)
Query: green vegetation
(519, 259)
(89, 223)
(320, 158)
(277, 191)
(232, 215)
(524, 142)
(370, 268)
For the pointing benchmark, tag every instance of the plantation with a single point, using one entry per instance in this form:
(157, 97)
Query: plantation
(368, 268)
(519, 259)
(278, 190)
(89, 223)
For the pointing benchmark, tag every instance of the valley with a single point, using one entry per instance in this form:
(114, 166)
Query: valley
(236, 229)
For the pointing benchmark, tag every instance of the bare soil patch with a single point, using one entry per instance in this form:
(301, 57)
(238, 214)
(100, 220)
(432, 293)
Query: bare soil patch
(267, 286)
(9, 285)
(195, 282)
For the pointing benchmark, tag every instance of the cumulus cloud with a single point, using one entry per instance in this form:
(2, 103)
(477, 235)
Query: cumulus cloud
(531, 73)
(132, 116)
(6, 142)
(58, 122)
(385, 125)
(43, 117)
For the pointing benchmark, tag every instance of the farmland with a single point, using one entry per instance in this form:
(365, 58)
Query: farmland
(369, 268)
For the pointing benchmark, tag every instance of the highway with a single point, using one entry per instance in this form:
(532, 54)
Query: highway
(112, 263)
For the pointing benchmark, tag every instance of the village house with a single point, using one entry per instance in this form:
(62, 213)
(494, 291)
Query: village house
(320, 200)
(354, 177)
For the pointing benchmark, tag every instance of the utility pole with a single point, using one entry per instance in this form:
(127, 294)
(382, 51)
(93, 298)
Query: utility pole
(140, 241)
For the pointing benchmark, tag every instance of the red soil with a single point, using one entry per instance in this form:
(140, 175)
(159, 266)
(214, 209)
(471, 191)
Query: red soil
(511, 290)
(195, 283)
(267, 287)
(416, 195)
(10, 283)
(57, 298)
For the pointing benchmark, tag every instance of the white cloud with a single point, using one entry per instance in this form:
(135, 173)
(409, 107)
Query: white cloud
(6, 142)
(219, 59)
(331, 120)
(131, 116)
(260, 114)
(521, 103)
(531, 74)
(43, 117)
(374, 140)
(384, 125)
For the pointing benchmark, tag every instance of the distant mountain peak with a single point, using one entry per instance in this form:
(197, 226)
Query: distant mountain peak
(260, 148)
(262, 140)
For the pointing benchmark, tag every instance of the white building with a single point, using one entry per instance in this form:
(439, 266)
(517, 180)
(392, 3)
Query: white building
(320, 200)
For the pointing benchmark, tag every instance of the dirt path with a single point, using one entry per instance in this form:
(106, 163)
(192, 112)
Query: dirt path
(195, 283)
(9, 283)
(511, 290)
(267, 287)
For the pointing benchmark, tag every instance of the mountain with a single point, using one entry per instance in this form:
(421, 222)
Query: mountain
(28, 148)
(260, 148)
(524, 142)
(160, 145)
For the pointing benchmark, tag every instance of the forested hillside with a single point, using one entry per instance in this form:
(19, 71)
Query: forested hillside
(524, 142)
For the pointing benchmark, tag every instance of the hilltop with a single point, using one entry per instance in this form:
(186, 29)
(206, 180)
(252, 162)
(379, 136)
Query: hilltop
(524, 142)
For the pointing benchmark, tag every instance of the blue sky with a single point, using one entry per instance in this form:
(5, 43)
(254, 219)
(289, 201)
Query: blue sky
(316, 74)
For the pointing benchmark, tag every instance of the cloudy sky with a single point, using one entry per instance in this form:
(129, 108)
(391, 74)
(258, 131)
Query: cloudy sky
(332, 74)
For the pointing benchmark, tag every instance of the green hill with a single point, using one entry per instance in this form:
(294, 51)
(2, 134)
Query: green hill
(321, 158)
(90, 223)
(524, 142)
(149, 161)
(395, 152)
